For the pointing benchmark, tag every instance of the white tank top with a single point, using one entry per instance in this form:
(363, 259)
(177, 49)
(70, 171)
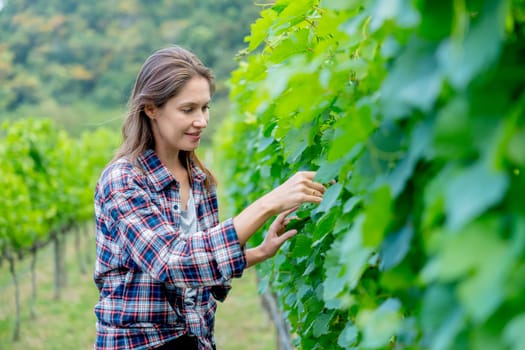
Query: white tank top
(188, 218)
(188, 225)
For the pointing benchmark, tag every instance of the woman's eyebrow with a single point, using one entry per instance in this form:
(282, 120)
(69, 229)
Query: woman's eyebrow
(193, 103)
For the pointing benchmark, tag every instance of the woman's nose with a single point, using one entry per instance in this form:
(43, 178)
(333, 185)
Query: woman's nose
(201, 121)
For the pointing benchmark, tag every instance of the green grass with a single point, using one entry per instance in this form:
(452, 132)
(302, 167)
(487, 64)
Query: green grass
(241, 322)
(69, 323)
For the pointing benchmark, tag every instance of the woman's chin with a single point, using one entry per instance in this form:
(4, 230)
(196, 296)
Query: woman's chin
(190, 148)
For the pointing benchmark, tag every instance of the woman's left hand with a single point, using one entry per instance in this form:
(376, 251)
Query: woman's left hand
(276, 236)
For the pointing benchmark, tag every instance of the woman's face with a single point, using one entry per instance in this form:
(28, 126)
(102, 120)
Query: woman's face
(177, 126)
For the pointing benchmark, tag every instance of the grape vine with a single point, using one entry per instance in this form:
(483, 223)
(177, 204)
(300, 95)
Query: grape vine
(47, 183)
(416, 109)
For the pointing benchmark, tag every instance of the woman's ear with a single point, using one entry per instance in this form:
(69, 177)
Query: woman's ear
(150, 109)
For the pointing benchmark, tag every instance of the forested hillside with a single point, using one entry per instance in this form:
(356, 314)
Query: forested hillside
(57, 53)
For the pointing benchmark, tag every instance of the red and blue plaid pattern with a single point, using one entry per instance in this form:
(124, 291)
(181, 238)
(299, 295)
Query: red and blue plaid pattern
(144, 266)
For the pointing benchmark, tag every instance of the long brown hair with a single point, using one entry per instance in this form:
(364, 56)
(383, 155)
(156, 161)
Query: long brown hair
(161, 77)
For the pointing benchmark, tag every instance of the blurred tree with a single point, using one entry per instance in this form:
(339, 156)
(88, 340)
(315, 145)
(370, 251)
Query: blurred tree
(68, 52)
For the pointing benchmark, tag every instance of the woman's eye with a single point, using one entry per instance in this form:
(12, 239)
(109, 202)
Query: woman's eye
(187, 110)
(206, 108)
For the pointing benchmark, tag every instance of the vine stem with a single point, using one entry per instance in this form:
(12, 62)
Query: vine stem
(16, 332)
(81, 262)
(33, 283)
(56, 248)
(88, 257)
(282, 327)
(62, 257)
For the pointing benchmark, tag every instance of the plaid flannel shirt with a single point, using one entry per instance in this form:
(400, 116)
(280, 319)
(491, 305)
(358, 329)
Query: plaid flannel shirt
(144, 265)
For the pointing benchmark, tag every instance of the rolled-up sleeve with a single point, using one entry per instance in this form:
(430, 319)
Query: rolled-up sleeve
(204, 258)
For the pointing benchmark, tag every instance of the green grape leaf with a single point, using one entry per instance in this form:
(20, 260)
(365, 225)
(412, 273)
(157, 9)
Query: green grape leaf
(321, 324)
(516, 147)
(259, 30)
(345, 262)
(403, 171)
(395, 247)
(348, 336)
(379, 325)
(328, 171)
(296, 143)
(513, 332)
(415, 82)
(400, 11)
(297, 224)
(481, 275)
(459, 55)
(353, 128)
(330, 198)
(350, 204)
(471, 192)
(441, 318)
(341, 4)
(334, 281)
(301, 246)
(377, 211)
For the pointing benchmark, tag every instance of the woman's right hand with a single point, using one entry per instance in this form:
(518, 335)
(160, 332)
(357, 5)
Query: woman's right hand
(298, 189)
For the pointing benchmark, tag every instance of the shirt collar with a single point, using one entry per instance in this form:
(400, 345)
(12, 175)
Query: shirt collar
(159, 174)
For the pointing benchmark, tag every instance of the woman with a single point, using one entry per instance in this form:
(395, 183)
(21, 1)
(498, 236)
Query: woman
(163, 258)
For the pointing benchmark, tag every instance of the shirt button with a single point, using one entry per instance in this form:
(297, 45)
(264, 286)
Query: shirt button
(175, 207)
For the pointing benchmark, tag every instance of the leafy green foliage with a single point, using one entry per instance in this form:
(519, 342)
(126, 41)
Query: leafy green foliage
(300, 218)
(47, 181)
(416, 109)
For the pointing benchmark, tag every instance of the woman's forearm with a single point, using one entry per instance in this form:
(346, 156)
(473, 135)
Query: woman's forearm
(255, 256)
(252, 218)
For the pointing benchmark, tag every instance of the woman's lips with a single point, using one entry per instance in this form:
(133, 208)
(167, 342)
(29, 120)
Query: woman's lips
(194, 136)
